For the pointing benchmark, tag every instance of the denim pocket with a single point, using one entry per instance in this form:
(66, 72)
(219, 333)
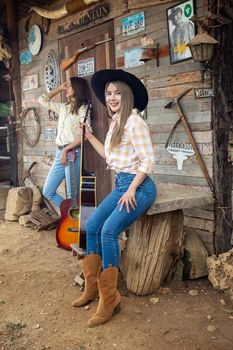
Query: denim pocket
(148, 188)
(124, 179)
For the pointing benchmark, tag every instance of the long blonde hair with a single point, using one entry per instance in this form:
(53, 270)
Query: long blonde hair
(127, 103)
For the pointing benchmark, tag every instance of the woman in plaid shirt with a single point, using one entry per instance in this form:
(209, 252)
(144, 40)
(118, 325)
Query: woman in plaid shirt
(129, 153)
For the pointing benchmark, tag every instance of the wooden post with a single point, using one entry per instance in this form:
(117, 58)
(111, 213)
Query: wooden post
(12, 26)
(222, 124)
(155, 244)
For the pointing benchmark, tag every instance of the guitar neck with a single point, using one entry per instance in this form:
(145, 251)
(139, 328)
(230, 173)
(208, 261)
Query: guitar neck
(88, 112)
(72, 185)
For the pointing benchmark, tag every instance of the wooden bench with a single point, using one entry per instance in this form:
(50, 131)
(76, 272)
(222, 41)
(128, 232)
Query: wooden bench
(155, 240)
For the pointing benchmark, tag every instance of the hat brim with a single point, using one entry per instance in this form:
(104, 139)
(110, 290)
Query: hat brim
(102, 77)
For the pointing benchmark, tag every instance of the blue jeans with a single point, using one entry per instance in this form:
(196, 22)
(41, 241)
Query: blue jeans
(57, 174)
(107, 222)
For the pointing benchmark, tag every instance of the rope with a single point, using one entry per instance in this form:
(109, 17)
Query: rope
(23, 116)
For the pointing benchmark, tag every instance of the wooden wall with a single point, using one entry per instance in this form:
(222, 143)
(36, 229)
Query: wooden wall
(164, 83)
(44, 151)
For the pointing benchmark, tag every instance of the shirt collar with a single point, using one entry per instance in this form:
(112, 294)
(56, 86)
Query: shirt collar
(114, 117)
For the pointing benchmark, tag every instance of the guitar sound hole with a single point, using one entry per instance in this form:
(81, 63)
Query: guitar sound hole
(74, 214)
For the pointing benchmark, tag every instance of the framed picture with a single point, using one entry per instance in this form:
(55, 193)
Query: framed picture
(30, 82)
(180, 30)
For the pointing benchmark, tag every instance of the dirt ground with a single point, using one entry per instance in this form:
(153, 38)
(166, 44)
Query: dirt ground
(37, 288)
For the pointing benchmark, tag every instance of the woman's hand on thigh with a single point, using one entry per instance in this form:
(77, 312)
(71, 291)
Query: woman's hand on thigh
(128, 199)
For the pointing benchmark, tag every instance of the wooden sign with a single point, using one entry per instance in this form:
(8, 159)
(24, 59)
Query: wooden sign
(83, 20)
(203, 92)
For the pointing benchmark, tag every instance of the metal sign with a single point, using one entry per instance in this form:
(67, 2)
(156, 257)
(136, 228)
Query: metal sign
(203, 92)
(180, 152)
(50, 134)
(133, 24)
(86, 67)
(132, 57)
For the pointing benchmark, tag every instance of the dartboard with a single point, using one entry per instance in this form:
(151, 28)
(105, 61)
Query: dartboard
(51, 72)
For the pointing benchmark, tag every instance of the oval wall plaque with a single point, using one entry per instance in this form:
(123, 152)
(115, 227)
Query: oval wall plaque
(51, 72)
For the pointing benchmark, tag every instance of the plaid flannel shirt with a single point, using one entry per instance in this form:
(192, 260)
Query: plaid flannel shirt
(135, 151)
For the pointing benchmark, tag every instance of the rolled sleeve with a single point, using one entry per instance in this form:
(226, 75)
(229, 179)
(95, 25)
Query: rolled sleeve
(141, 141)
(46, 102)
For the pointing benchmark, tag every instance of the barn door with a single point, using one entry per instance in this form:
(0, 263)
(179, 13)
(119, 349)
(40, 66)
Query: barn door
(103, 56)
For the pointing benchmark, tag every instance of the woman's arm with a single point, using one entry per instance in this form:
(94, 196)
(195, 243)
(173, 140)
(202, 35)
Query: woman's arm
(141, 142)
(97, 145)
(45, 100)
(54, 92)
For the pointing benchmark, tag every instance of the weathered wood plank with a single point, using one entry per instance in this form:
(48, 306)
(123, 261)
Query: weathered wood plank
(193, 126)
(170, 117)
(172, 91)
(207, 239)
(200, 137)
(180, 179)
(205, 149)
(166, 158)
(193, 170)
(182, 188)
(205, 236)
(174, 199)
(134, 4)
(173, 79)
(187, 103)
(199, 213)
(201, 224)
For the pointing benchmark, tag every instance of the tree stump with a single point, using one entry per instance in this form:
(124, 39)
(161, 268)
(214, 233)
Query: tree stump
(155, 244)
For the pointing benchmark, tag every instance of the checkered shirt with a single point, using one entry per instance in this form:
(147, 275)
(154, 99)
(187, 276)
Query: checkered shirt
(135, 151)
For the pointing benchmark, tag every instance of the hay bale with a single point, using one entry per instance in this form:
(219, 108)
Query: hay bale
(19, 202)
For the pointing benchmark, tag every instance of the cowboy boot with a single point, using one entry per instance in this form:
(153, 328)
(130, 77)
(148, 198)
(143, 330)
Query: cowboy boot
(110, 298)
(91, 266)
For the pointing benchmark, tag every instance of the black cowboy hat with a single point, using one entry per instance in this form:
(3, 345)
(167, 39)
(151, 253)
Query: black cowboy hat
(102, 77)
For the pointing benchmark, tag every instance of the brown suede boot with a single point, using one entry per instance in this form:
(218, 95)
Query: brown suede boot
(91, 266)
(110, 298)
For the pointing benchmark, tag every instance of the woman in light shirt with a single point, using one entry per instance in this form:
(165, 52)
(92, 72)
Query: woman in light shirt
(68, 137)
(128, 151)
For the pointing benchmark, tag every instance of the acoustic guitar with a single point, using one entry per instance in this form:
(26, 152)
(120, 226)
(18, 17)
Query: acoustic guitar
(74, 213)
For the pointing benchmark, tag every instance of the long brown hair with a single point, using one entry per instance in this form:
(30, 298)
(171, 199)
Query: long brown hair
(127, 103)
(81, 93)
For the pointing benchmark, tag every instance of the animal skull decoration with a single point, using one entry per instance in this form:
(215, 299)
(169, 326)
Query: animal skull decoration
(5, 51)
(180, 152)
(67, 8)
